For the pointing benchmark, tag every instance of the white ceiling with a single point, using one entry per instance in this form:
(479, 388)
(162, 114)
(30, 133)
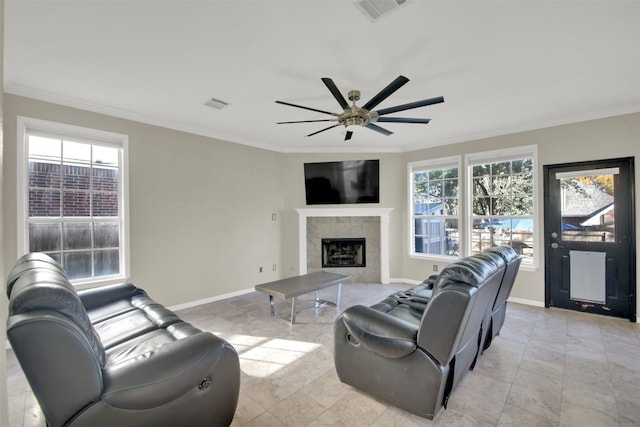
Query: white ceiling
(502, 66)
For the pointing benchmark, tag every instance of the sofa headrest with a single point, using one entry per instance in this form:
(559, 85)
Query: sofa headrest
(48, 290)
(473, 270)
(28, 262)
(507, 253)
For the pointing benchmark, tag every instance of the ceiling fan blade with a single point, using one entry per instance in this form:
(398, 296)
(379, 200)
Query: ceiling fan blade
(384, 93)
(335, 92)
(410, 105)
(322, 130)
(348, 135)
(378, 129)
(306, 121)
(402, 120)
(305, 108)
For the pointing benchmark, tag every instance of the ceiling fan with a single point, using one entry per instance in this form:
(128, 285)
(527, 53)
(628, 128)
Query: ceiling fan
(352, 115)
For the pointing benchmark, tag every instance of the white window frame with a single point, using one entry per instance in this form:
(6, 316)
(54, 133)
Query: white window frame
(445, 162)
(515, 153)
(77, 133)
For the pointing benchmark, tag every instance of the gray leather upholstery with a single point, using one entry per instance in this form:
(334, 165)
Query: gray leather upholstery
(512, 261)
(112, 356)
(414, 356)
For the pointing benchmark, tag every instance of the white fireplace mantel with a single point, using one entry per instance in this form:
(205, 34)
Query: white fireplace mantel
(382, 213)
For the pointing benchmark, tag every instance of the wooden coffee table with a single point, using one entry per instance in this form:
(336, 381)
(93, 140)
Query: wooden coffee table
(292, 287)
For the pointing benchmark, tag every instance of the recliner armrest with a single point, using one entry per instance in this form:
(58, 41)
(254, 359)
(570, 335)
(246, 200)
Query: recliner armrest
(160, 376)
(385, 335)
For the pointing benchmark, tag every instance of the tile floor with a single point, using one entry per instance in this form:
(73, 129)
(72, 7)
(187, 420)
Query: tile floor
(548, 367)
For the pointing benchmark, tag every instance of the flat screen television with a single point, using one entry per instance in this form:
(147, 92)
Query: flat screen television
(343, 182)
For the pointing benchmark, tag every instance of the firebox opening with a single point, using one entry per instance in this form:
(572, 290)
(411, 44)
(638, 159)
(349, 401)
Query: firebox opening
(343, 252)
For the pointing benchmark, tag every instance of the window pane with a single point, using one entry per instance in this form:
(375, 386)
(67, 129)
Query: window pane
(522, 205)
(76, 177)
(587, 210)
(451, 207)
(44, 148)
(106, 234)
(105, 204)
(77, 235)
(75, 204)
(44, 237)
(44, 203)
(451, 188)
(107, 262)
(76, 152)
(480, 170)
(77, 264)
(106, 156)
(501, 168)
(482, 205)
(435, 174)
(436, 236)
(502, 186)
(105, 179)
(451, 173)
(44, 175)
(435, 189)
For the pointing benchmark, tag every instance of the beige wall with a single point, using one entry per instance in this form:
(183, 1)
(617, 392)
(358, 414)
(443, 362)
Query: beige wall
(200, 209)
(592, 140)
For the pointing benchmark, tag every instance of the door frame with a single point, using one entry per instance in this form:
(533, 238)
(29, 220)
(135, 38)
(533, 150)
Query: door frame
(631, 211)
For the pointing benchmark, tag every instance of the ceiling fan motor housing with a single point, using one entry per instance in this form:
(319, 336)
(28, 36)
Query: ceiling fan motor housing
(355, 116)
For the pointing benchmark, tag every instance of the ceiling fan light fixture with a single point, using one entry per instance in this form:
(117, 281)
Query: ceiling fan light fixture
(354, 121)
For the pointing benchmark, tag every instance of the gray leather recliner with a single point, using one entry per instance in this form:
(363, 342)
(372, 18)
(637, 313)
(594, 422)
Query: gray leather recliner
(414, 357)
(499, 310)
(112, 356)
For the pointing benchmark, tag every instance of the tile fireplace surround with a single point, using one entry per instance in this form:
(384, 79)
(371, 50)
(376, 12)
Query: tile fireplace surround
(376, 257)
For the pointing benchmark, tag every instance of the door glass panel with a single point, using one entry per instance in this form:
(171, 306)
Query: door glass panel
(587, 208)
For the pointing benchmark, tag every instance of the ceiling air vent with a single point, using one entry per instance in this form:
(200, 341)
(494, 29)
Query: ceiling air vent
(216, 103)
(375, 9)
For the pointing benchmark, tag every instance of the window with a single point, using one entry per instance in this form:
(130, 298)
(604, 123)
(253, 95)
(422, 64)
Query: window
(435, 207)
(72, 198)
(502, 187)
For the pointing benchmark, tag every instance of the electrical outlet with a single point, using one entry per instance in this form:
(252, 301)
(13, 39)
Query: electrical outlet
(435, 267)
(260, 269)
(275, 267)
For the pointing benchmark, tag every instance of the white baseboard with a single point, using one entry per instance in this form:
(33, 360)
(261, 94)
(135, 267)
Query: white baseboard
(526, 301)
(211, 299)
(407, 281)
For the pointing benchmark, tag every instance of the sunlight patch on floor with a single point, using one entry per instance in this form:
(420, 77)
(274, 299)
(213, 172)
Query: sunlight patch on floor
(262, 357)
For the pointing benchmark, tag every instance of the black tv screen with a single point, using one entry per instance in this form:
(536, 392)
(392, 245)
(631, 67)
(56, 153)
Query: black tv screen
(344, 182)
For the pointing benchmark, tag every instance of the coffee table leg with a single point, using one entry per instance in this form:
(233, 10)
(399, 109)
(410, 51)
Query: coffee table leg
(272, 304)
(293, 310)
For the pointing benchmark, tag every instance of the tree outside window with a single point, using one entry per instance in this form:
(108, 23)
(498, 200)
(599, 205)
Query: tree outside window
(502, 206)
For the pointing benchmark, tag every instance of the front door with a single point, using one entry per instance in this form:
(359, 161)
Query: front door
(589, 237)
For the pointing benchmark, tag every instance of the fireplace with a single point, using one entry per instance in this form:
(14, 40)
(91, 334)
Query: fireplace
(369, 222)
(343, 252)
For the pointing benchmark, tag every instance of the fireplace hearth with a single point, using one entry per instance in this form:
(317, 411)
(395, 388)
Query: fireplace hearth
(343, 252)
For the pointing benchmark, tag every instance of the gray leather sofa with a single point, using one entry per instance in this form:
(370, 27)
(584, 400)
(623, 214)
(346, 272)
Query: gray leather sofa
(413, 348)
(112, 356)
